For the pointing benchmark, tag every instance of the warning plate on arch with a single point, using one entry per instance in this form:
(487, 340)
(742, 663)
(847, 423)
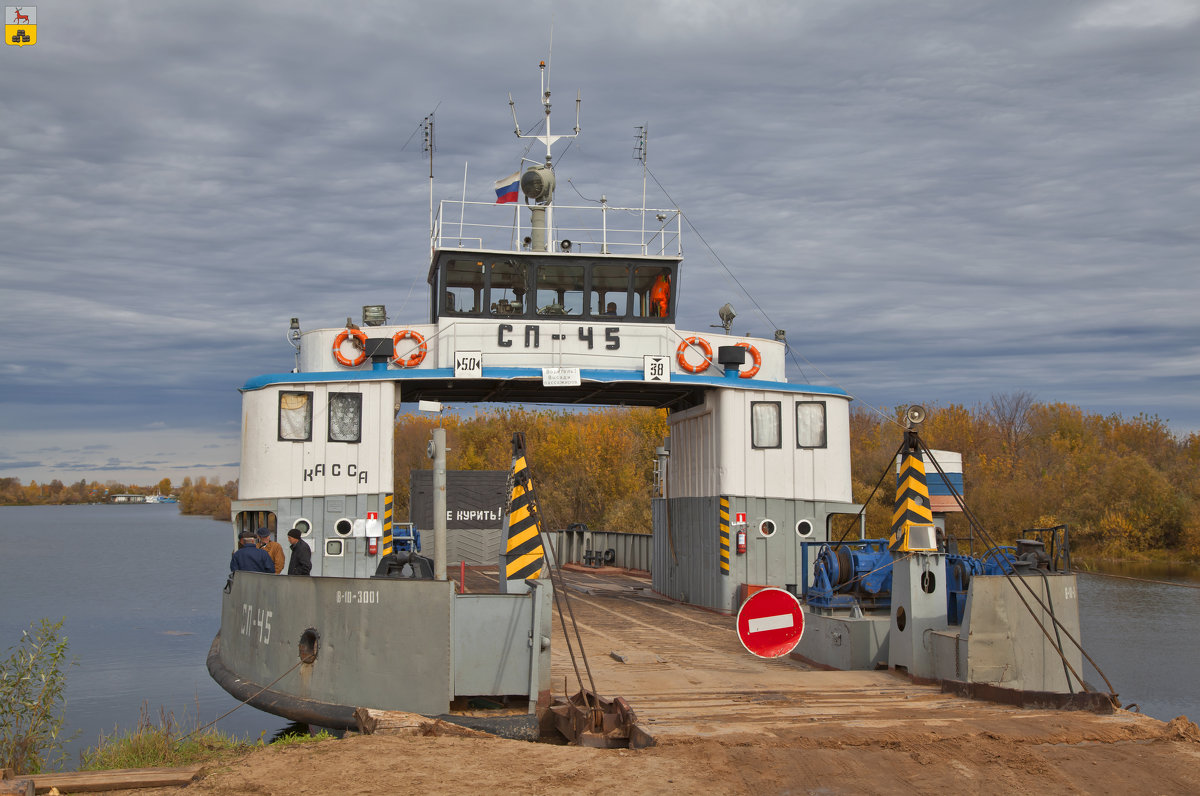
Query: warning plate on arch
(560, 377)
(770, 623)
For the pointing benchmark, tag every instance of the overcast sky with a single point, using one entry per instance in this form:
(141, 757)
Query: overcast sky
(939, 201)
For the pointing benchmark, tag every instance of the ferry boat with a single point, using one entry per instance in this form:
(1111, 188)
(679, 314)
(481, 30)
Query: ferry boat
(551, 303)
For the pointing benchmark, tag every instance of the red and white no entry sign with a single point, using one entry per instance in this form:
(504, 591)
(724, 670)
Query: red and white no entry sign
(770, 623)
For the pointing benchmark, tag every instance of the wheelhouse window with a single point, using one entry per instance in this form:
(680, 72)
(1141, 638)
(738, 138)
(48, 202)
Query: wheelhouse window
(810, 424)
(551, 286)
(295, 416)
(609, 295)
(509, 287)
(765, 425)
(345, 417)
(559, 289)
(462, 286)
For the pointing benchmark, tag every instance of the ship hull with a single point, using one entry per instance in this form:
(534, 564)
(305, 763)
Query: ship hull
(316, 649)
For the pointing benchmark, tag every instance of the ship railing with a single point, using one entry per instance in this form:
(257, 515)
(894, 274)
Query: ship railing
(596, 229)
(577, 544)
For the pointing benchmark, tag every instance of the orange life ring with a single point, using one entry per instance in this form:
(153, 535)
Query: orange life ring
(705, 349)
(757, 357)
(343, 336)
(418, 354)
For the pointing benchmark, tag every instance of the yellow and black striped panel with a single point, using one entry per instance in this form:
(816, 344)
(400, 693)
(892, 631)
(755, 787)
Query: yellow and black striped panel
(387, 526)
(912, 494)
(724, 536)
(523, 553)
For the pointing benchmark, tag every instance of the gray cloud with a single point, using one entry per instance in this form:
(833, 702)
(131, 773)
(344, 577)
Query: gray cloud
(938, 202)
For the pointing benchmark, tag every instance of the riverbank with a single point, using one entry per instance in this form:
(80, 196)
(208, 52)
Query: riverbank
(1167, 561)
(1131, 754)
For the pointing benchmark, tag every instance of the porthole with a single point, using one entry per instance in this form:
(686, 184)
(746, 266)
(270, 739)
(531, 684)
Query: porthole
(303, 526)
(333, 547)
(767, 527)
(343, 527)
(308, 645)
(804, 529)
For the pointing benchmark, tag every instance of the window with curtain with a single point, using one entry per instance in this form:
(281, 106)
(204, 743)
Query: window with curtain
(764, 424)
(295, 416)
(345, 417)
(810, 424)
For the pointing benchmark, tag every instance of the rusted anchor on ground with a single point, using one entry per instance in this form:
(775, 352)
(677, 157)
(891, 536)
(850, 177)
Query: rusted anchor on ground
(589, 719)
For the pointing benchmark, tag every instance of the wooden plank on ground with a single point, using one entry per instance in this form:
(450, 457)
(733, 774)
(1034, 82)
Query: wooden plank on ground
(398, 722)
(15, 787)
(115, 779)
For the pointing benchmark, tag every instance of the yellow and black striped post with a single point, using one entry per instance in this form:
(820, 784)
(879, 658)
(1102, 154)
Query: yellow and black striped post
(724, 521)
(387, 526)
(523, 557)
(912, 496)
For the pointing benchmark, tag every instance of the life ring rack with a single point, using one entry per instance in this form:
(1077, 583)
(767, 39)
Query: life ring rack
(343, 336)
(418, 354)
(681, 351)
(750, 372)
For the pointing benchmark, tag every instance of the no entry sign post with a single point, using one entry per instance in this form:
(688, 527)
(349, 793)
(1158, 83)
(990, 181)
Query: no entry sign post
(770, 623)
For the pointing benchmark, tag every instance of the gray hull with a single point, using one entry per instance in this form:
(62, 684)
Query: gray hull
(315, 649)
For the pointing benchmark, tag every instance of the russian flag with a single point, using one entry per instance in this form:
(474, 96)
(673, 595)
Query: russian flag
(506, 189)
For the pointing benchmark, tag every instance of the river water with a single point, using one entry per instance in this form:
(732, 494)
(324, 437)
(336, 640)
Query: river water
(140, 590)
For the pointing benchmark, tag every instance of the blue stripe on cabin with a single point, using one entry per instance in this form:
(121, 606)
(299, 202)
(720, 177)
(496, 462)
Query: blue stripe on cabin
(938, 485)
(585, 374)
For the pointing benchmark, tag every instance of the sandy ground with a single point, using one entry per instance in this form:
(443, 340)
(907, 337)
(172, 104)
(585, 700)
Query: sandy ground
(729, 723)
(1135, 755)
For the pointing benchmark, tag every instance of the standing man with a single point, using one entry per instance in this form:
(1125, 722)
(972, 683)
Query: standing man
(271, 547)
(660, 294)
(250, 558)
(301, 563)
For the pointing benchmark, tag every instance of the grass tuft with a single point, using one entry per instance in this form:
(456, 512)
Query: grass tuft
(160, 743)
(164, 744)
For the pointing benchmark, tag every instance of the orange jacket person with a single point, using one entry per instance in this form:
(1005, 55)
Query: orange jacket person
(660, 295)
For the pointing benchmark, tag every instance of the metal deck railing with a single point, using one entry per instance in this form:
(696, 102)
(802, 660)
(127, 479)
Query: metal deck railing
(594, 230)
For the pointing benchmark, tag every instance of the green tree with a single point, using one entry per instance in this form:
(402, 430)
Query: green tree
(33, 682)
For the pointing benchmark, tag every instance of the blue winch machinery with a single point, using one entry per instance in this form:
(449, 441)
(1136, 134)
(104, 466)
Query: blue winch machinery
(858, 574)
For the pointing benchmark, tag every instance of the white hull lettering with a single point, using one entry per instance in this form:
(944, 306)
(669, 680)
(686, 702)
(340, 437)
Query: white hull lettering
(256, 623)
(358, 597)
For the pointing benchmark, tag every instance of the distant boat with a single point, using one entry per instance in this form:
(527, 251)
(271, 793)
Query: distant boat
(155, 498)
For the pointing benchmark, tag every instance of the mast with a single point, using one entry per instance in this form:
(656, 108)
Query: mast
(427, 146)
(537, 183)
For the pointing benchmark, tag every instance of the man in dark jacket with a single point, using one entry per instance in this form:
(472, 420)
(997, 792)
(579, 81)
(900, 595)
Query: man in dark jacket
(249, 557)
(301, 563)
